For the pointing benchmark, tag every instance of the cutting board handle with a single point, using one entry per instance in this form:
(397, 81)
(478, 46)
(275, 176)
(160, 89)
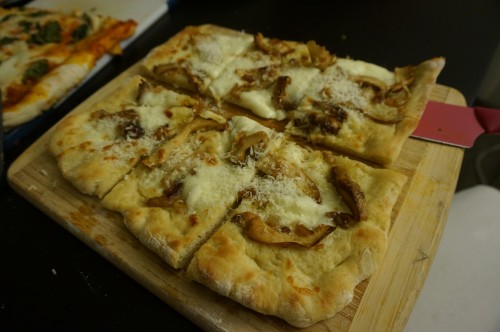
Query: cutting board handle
(489, 119)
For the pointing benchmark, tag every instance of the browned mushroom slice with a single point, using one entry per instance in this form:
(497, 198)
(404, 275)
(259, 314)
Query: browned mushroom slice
(320, 56)
(248, 146)
(277, 167)
(350, 192)
(279, 94)
(257, 230)
(169, 70)
(198, 124)
(170, 199)
(259, 78)
(342, 219)
(386, 102)
(326, 120)
(272, 46)
(127, 122)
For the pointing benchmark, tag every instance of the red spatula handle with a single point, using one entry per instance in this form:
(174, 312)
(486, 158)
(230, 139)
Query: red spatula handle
(489, 119)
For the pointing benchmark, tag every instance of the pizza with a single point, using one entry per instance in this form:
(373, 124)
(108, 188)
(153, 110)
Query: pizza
(348, 105)
(44, 54)
(260, 167)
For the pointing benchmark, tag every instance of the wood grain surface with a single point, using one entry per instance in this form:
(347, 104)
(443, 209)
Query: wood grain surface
(382, 303)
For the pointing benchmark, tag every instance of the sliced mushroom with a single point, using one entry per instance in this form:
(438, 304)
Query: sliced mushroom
(169, 70)
(248, 146)
(350, 192)
(276, 167)
(144, 87)
(342, 219)
(387, 102)
(272, 46)
(169, 199)
(259, 78)
(279, 93)
(258, 230)
(329, 121)
(320, 56)
(198, 124)
(127, 121)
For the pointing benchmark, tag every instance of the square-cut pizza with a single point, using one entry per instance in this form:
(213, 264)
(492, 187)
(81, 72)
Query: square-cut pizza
(173, 204)
(194, 57)
(97, 148)
(308, 228)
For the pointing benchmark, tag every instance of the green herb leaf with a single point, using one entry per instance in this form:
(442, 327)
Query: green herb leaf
(7, 40)
(26, 25)
(38, 13)
(80, 32)
(49, 33)
(35, 71)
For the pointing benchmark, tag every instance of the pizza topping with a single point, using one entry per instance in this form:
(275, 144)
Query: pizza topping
(245, 146)
(254, 79)
(162, 153)
(50, 32)
(385, 101)
(272, 46)
(326, 122)
(171, 198)
(279, 93)
(278, 168)
(35, 71)
(258, 230)
(351, 194)
(132, 129)
(320, 56)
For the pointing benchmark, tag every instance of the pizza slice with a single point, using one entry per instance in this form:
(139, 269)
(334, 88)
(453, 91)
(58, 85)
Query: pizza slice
(363, 109)
(97, 148)
(172, 204)
(270, 77)
(195, 56)
(307, 230)
(44, 54)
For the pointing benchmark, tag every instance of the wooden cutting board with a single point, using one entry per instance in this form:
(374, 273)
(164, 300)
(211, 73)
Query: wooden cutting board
(382, 303)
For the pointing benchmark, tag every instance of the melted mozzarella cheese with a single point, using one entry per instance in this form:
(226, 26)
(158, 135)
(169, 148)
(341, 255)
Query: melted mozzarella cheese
(361, 68)
(215, 186)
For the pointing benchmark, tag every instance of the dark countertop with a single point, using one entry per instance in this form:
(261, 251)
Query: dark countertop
(52, 281)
